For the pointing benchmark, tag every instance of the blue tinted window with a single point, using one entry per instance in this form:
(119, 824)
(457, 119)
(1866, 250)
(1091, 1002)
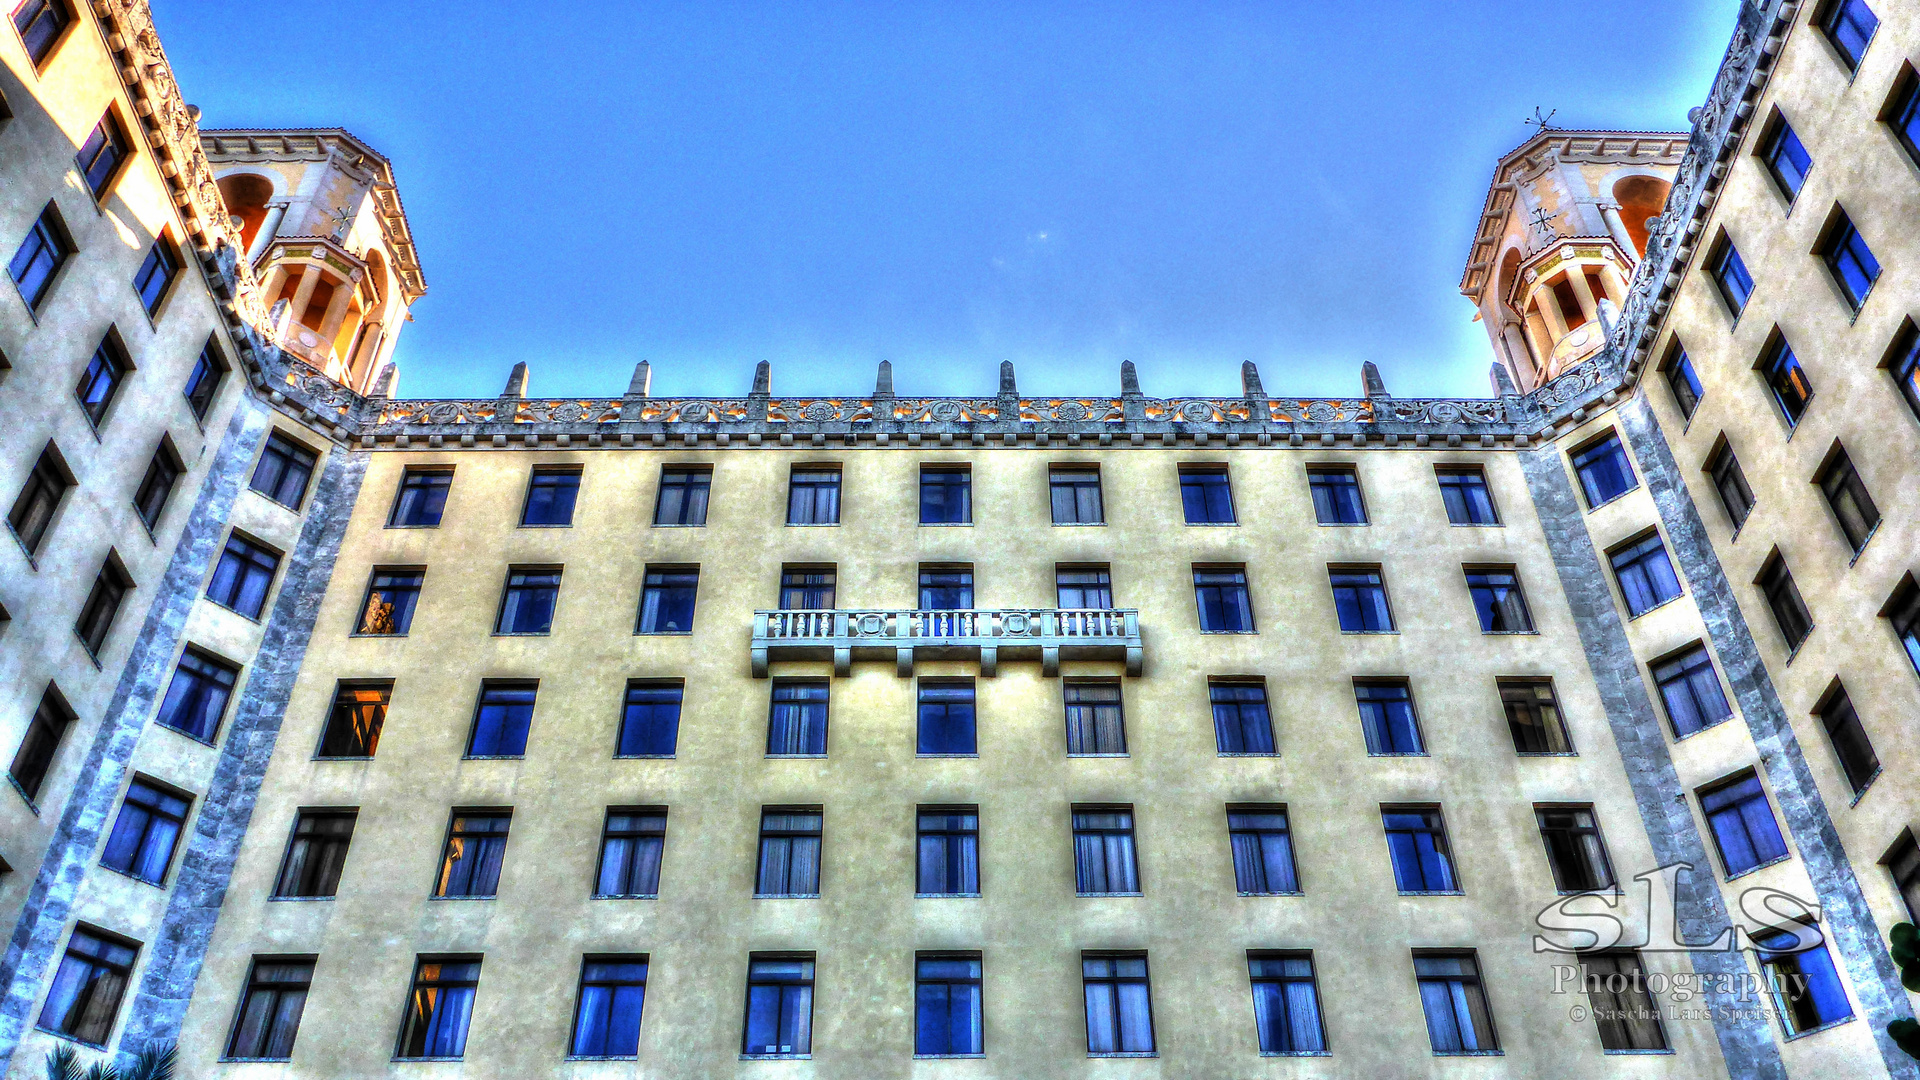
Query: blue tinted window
(612, 992)
(1743, 825)
(145, 833)
(527, 606)
(946, 718)
(1853, 265)
(438, 1009)
(1786, 159)
(1360, 600)
(1241, 723)
(39, 257)
(1336, 497)
(946, 590)
(1262, 851)
(1605, 474)
(1225, 607)
(155, 273)
(1691, 692)
(1646, 574)
(1685, 383)
(1417, 842)
(243, 576)
(501, 721)
(1805, 984)
(101, 154)
(423, 498)
(946, 496)
(1468, 500)
(946, 1008)
(650, 722)
(1792, 391)
(1286, 1004)
(1387, 718)
(40, 23)
(1730, 273)
(779, 1008)
(797, 722)
(1206, 497)
(550, 497)
(1850, 25)
(666, 601)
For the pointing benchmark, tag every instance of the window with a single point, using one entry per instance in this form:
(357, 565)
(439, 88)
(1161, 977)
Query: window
(1262, 851)
(34, 758)
(807, 588)
(1847, 496)
(1850, 24)
(666, 600)
(502, 718)
(155, 274)
(1469, 500)
(270, 1009)
(946, 722)
(146, 832)
(284, 469)
(797, 720)
(789, 853)
(779, 1007)
(32, 512)
(1691, 691)
(1075, 495)
(1729, 272)
(1903, 863)
(40, 256)
(1241, 722)
(813, 496)
(1605, 473)
(1221, 592)
(1360, 599)
(630, 851)
(1080, 588)
(353, 724)
(1387, 718)
(1286, 1003)
(1743, 825)
(1903, 614)
(613, 990)
(1903, 362)
(41, 22)
(150, 499)
(1616, 985)
(1849, 738)
(242, 576)
(422, 499)
(949, 851)
(1096, 724)
(1645, 574)
(102, 379)
(1498, 600)
(1785, 157)
(946, 1006)
(526, 607)
(650, 720)
(476, 846)
(1783, 598)
(1336, 495)
(684, 490)
(1417, 844)
(1458, 1019)
(1731, 483)
(1206, 495)
(84, 1001)
(103, 603)
(946, 588)
(1792, 393)
(1103, 862)
(1806, 988)
(196, 696)
(101, 154)
(946, 495)
(551, 494)
(316, 853)
(1685, 384)
(391, 596)
(439, 1008)
(1119, 1004)
(1849, 259)
(1533, 715)
(1575, 851)
(203, 382)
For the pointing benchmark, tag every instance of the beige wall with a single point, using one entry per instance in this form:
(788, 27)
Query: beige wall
(867, 925)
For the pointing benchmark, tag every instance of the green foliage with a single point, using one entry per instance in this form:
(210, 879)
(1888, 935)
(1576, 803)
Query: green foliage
(154, 1063)
(1905, 947)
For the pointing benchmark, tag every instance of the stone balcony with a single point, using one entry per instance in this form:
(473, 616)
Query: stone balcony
(1045, 634)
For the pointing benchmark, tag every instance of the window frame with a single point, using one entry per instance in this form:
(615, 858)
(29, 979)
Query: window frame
(1608, 879)
(516, 598)
(1713, 787)
(1442, 472)
(1724, 261)
(838, 485)
(1639, 563)
(112, 358)
(1443, 847)
(442, 475)
(51, 229)
(977, 981)
(810, 980)
(1343, 469)
(165, 460)
(1776, 139)
(445, 866)
(1840, 239)
(1255, 981)
(164, 790)
(41, 62)
(1721, 458)
(1115, 981)
(1504, 684)
(663, 570)
(360, 620)
(229, 690)
(410, 1015)
(1677, 368)
(105, 938)
(165, 256)
(480, 703)
(1835, 710)
(1130, 831)
(48, 474)
(53, 717)
(247, 991)
(1230, 682)
(1245, 585)
(201, 391)
(540, 473)
(1484, 570)
(1768, 582)
(1207, 469)
(1826, 19)
(679, 686)
(1286, 829)
(278, 443)
(1588, 491)
(1901, 361)
(1386, 597)
(965, 486)
(114, 135)
(250, 557)
(825, 702)
(1105, 570)
(643, 960)
(920, 832)
(341, 689)
(110, 588)
(1069, 475)
(633, 835)
(1837, 474)
(1479, 980)
(972, 703)
(302, 815)
(1777, 365)
(819, 834)
(1685, 655)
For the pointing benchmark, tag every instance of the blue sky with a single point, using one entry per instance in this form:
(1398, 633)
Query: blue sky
(827, 185)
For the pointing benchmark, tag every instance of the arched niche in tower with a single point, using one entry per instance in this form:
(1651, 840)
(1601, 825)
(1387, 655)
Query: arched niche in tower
(1640, 198)
(246, 196)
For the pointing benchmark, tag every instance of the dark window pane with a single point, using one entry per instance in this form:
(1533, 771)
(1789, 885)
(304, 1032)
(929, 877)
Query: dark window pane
(197, 696)
(946, 719)
(807, 590)
(145, 833)
(1847, 496)
(102, 605)
(422, 498)
(797, 722)
(650, 720)
(813, 497)
(316, 854)
(666, 601)
(1905, 119)
(789, 853)
(1731, 483)
(550, 497)
(1095, 721)
(1730, 273)
(354, 723)
(1206, 497)
(1533, 716)
(1743, 825)
(1783, 598)
(1360, 600)
(439, 1009)
(1850, 743)
(270, 1009)
(501, 721)
(37, 747)
(84, 997)
(630, 852)
(476, 846)
(779, 1008)
(1627, 1015)
(1575, 851)
(33, 510)
(1903, 863)
(1336, 497)
(101, 154)
(284, 469)
(949, 852)
(204, 381)
(156, 487)
(155, 274)
(1075, 495)
(1497, 599)
(1605, 474)
(946, 496)
(1850, 25)
(242, 576)
(1286, 1004)
(1262, 851)
(613, 990)
(41, 22)
(1904, 616)
(946, 589)
(1241, 722)
(1691, 692)
(1221, 594)
(1387, 718)
(391, 596)
(1458, 1020)
(946, 1007)
(1686, 385)
(683, 496)
(1792, 393)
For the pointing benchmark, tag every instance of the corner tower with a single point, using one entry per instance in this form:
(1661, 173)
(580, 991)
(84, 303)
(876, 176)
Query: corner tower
(1565, 223)
(322, 226)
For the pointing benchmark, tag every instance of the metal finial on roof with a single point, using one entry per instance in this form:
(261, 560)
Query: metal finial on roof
(1544, 123)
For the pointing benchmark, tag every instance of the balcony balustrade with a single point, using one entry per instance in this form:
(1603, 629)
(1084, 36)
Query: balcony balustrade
(1048, 634)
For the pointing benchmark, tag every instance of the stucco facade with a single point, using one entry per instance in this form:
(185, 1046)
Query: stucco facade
(1592, 462)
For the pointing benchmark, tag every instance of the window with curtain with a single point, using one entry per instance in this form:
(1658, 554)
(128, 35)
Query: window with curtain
(439, 1008)
(807, 588)
(650, 720)
(355, 721)
(1083, 588)
(1075, 494)
(1604, 471)
(1286, 1003)
(684, 492)
(1455, 1003)
(1645, 574)
(946, 1006)
(1417, 844)
(270, 1009)
(1096, 722)
(1743, 825)
(797, 719)
(1387, 718)
(946, 495)
(1533, 716)
(1499, 601)
(1575, 852)
(1806, 988)
(1336, 495)
(1691, 691)
(502, 719)
(789, 853)
(422, 499)
(197, 695)
(476, 848)
(813, 496)
(630, 851)
(1241, 721)
(551, 495)
(1206, 495)
(146, 832)
(949, 851)
(1627, 1015)
(242, 576)
(527, 603)
(1262, 851)
(779, 1007)
(316, 854)
(1468, 499)
(666, 600)
(1360, 600)
(613, 992)
(40, 256)
(946, 588)
(946, 720)
(1903, 615)
(1119, 1003)
(1103, 857)
(284, 469)
(1221, 593)
(83, 999)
